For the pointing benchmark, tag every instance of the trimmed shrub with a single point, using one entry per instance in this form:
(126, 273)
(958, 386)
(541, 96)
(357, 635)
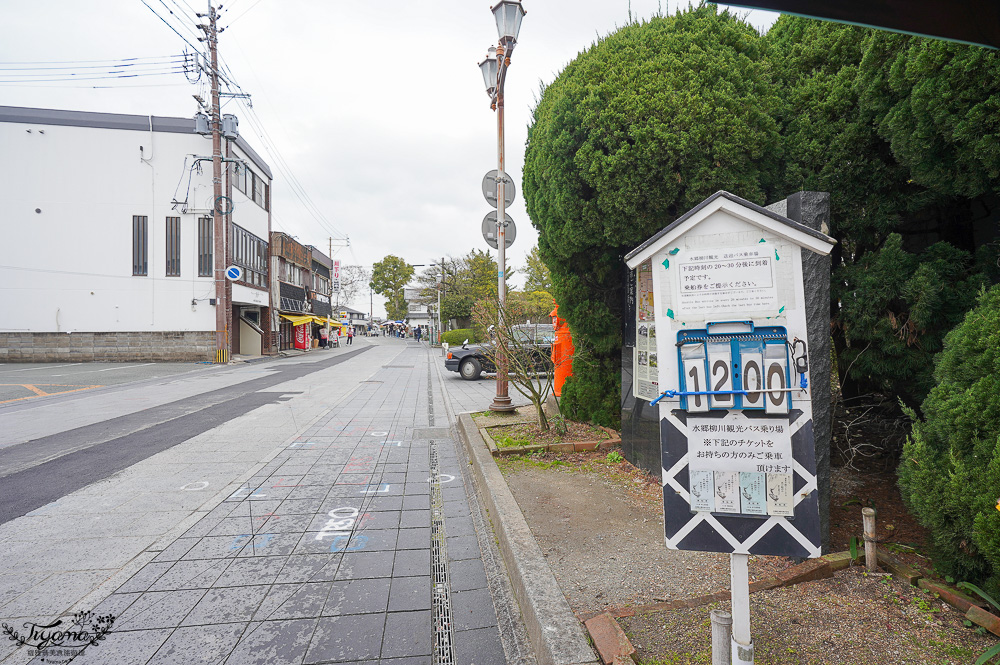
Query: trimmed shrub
(636, 130)
(950, 473)
(456, 337)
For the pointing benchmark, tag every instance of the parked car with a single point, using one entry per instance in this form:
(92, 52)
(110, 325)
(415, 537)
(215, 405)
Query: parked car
(471, 361)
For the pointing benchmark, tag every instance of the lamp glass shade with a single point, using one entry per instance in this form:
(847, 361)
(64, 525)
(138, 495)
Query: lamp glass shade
(508, 14)
(489, 69)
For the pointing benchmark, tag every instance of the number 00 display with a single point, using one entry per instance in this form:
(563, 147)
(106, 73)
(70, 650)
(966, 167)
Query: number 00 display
(715, 366)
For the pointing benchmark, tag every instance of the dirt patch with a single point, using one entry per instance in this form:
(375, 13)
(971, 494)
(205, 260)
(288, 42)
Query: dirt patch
(530, 434)
(600, 526)
(850, 618)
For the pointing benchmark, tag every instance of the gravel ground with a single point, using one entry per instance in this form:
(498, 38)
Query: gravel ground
(600, 526)
(850, 618)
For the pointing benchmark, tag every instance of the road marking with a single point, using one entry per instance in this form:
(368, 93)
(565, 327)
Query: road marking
(188, 487)
(41, 393)
(31, 369)
(108, 369)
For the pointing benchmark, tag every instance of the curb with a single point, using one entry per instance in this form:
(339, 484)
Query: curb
(555, 633)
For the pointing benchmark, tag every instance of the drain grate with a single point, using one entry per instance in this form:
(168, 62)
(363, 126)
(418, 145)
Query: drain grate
(444, 633)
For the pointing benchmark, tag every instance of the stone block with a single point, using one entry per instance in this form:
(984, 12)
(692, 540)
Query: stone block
(950, 595)
(978, 615)
(610, 640)
(898, 568)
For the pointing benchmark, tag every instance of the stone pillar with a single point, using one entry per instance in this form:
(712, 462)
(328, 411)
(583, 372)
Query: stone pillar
(812, 209)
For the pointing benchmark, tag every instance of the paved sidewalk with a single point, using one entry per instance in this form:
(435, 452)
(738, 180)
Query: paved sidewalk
(353, 542)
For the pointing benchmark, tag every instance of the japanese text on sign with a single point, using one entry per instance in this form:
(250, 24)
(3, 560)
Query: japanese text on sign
(727, 445)
(727, 280)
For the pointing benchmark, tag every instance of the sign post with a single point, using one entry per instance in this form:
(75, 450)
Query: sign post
(722, 321)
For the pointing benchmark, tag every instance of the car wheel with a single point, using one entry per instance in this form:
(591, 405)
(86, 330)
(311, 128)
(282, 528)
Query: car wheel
(471, 369)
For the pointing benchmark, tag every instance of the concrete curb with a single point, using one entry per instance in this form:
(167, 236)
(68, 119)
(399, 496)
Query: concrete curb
(556, 634)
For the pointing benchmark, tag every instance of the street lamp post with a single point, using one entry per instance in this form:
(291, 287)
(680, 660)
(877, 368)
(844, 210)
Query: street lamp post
(508, 15)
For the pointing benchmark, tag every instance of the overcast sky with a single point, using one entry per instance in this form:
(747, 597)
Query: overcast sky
(375, 107)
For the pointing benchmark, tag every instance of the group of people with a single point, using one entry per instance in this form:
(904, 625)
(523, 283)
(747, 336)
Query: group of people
(401, 331)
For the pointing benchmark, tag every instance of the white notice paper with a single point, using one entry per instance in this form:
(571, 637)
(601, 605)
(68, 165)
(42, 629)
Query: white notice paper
(736, 279)
(779, 494)
(702, 491)
(737, 443)
(727, 492)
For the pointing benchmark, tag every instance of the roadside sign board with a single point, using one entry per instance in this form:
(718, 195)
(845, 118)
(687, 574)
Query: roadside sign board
(490, 231)
(723, 321)
(491, 188)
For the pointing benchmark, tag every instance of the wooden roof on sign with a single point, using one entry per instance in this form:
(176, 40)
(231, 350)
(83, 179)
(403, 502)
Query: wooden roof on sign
(738, 207)
(974, 22)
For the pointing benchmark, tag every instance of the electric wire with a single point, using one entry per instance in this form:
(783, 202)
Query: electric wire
(244, 13)
(188, 23)
(92, 78)
(167, 23)
(108, 64)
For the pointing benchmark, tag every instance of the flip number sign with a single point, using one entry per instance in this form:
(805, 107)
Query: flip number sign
(736, 441)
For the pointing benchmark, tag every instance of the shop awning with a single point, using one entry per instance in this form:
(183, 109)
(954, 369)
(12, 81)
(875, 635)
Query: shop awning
(323, 321)
(297, 320)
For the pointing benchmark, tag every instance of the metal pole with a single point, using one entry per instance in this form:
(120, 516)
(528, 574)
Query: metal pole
(502, 400)
(739, 581)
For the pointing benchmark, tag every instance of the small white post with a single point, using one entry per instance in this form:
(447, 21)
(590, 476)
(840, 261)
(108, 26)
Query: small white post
(722, 635)
(871, 557)
(739, 581)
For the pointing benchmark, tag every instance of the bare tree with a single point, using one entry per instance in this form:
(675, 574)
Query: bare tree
(530, 368)
(354, 282)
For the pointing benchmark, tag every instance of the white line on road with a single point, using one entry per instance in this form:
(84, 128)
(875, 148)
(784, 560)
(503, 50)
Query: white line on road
(28, 369)
(125, 367)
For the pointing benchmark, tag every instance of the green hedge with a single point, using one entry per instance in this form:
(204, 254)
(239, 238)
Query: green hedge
(456, 337)
(950, 472)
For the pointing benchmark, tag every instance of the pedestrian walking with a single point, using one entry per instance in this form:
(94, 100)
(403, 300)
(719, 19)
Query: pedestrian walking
(350, 336)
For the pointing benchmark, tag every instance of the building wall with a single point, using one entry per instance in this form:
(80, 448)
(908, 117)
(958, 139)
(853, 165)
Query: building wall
(67, 197)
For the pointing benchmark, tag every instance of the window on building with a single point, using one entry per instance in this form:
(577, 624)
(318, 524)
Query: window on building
(173, 246)
(205, 246)
(140, 245)
(250, 253)
(238, 175)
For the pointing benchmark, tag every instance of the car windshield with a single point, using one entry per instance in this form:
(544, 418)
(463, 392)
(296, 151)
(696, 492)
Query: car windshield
(540, 334)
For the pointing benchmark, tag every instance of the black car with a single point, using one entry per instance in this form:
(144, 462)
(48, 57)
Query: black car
(471, 361)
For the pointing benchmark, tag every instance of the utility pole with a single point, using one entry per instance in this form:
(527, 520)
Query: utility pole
(222, 308)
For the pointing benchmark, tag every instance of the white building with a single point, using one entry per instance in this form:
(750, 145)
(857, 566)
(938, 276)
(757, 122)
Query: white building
(107, 249)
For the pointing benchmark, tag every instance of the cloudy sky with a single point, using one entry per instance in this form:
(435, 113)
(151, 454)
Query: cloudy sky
(371, 114)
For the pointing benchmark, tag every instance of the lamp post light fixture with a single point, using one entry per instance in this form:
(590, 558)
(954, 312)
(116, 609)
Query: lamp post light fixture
(508, 15)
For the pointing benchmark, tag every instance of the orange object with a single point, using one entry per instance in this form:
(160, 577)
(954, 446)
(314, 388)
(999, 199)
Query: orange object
(562, 352)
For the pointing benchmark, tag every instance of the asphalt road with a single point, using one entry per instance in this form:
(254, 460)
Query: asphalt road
(29, 381)
(43, 469)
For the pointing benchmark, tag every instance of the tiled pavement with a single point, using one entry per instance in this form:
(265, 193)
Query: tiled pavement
(338, 550)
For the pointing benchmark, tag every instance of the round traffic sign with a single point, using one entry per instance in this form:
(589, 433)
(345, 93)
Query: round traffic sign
(490, 230)
(490, 187)
(234, 273)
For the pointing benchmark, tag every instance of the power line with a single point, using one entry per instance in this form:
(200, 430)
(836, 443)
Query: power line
(244, 13)
(167, 23)
(114, 64)
(72, 62)
(92, 78)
